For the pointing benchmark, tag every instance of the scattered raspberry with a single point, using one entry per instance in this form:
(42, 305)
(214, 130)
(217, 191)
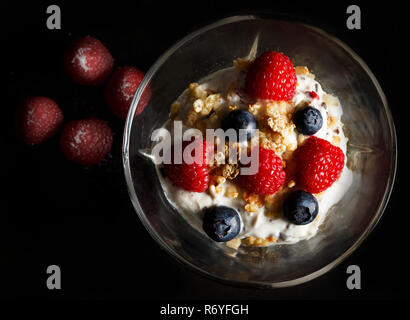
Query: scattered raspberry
(86, 141)
(192, 177)
(314, 95)
(120, 91)
(271, 76)
(319, 164)
(270, 176)
(87, 61)
(38, 119)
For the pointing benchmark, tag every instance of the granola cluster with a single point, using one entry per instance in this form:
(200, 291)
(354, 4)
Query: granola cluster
(205, 105)
(276, 126)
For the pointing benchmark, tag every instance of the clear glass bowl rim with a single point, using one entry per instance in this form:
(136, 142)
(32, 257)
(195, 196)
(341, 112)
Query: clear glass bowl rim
(163, 244)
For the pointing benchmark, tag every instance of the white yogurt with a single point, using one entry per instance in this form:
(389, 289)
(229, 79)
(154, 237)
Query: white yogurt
(257, 224)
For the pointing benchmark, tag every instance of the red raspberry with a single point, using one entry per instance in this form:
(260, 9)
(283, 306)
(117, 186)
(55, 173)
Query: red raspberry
(87, 61)
(120, 91)
(319, 164)
(38, 119)
(86, 141)
(191, 177)
(271, 76)
(314, 95)
(270, 176)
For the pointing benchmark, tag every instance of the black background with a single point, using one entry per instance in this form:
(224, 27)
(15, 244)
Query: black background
(81, 219)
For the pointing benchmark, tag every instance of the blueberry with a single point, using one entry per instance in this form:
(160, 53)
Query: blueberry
(240, 119)
(221, 223)
(300, 207)
(308, 120)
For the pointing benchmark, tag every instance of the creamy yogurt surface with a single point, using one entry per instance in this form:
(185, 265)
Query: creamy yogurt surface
(258, 224)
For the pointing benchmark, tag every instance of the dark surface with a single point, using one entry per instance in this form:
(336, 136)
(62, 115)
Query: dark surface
(82, 220)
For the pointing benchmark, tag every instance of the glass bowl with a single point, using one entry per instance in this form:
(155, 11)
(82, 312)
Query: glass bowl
(368, 125)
